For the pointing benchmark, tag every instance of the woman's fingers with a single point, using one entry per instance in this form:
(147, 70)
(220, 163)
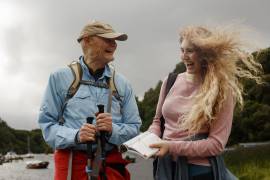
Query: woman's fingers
(157, 145)
(163, 148)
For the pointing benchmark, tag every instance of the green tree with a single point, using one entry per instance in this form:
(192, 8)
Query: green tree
(16, 140)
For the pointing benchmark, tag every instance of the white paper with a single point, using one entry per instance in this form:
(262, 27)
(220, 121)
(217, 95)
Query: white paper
(140, 144)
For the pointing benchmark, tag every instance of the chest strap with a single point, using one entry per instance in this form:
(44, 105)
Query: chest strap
(95, 83)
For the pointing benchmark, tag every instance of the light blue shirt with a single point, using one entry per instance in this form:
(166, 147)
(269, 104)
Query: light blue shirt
(125, 115)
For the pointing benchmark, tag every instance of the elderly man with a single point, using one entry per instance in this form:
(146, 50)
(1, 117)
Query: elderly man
(64, 110)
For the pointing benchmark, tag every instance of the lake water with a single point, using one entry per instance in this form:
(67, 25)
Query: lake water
(16, 170)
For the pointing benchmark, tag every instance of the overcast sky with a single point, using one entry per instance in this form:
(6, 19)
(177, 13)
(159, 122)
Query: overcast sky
(37, 37)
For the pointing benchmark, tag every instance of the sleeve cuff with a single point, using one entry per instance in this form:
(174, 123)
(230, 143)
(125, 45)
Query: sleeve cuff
(67, 135)
(114, 135)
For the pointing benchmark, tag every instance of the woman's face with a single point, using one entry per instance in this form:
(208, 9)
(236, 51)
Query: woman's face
(190, 57)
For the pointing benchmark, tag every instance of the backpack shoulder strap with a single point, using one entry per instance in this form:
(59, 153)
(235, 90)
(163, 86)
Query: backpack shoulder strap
(76, 69)
(112, 89)
(170, 81)
(112, 84)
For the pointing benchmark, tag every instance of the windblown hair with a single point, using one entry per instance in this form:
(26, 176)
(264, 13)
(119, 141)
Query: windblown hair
(223, 64)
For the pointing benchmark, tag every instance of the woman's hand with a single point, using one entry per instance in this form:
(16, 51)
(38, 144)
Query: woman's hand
(163, 148)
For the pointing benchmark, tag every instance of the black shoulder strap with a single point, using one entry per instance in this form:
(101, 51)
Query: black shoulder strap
(170, 81)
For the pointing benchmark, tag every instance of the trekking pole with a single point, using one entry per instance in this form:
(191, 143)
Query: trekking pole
(89, 151)
(102, 142)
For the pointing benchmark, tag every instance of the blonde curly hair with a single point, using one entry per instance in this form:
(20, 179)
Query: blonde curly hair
(224, 64)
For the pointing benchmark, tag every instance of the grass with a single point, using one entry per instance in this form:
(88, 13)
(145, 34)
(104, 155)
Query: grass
(249, 163)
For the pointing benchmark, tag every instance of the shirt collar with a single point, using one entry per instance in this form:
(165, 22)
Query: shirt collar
(107, 71)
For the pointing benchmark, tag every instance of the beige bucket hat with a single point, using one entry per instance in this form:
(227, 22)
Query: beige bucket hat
(101, 29)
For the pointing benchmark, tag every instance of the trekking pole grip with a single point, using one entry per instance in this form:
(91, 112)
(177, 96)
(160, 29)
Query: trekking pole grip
(89, 120)
(102, 133)
(100, 108)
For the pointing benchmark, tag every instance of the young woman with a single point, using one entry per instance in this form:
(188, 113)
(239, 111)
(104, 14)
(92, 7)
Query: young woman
(201, 101)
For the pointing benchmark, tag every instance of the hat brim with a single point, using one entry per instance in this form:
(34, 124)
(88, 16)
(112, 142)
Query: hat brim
(116, 36)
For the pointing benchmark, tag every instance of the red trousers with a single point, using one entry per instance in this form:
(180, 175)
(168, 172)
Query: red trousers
(79, 162)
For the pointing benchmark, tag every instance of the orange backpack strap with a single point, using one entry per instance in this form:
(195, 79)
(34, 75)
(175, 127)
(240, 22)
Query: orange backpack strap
(76, 69)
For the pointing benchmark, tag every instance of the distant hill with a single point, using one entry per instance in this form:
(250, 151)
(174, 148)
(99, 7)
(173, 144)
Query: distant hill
(16, 140)
(251, 124)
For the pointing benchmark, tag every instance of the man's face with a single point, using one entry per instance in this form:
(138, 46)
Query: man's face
(101, 49)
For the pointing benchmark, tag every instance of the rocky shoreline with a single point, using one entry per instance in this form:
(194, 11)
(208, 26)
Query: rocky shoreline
(11, 156)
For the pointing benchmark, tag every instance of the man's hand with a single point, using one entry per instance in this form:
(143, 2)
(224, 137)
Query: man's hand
(87, 133)
(163, 148)
(104, 122)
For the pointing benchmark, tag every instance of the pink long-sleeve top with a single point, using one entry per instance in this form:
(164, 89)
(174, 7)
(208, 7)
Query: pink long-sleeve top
(178, 101)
